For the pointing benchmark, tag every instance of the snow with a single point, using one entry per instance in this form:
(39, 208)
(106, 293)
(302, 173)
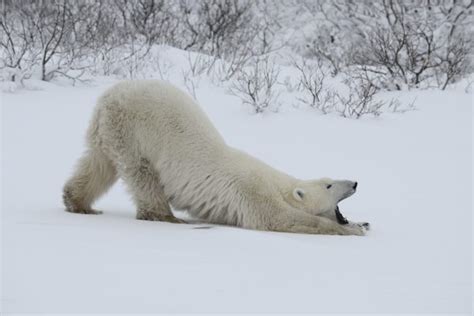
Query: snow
(414, 172)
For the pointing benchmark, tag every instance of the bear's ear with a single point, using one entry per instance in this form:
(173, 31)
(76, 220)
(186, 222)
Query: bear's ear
(298, 194)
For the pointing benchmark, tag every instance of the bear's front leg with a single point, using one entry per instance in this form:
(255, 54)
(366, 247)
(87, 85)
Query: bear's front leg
(301, 222)
(337, 216)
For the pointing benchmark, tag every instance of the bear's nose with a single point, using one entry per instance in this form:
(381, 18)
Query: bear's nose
(355, 185)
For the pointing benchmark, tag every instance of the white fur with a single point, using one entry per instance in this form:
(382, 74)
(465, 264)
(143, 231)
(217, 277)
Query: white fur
(157, 139)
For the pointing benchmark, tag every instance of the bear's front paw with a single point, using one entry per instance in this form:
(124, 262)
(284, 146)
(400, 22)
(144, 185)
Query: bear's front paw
(353, 229)
(364, 225)
(359, 229)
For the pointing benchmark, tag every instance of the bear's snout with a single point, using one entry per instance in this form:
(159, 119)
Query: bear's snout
(355, 185)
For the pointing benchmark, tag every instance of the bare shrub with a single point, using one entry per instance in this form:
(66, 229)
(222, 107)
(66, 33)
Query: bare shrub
(125, 33)
(112, 43)
(469, 85)
(255, 84)
(455, 62)
(199, 64)
(406, 43)
(191, 83)
(196, 66)
(214, 26)
(222, 70)
(310, 82)
(359, 101)
(53, 27)
(395, 106)
(49, 38)
(338, 27)
(108, 37)
(356, 100)
(67, 38)
(402, 50)
(232, 31)
(153, 20)
(16, 45)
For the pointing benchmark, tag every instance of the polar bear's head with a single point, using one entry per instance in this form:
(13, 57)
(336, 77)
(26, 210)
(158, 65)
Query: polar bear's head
(321, 196)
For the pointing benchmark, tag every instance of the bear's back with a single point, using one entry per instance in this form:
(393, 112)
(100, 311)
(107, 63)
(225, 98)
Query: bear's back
(158, 109)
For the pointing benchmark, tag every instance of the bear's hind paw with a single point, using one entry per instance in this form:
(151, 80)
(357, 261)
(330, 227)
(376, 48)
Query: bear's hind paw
(159, 217)
(84, 211)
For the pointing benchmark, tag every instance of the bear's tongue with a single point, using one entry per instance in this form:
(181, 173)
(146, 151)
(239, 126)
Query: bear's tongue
(340, 218)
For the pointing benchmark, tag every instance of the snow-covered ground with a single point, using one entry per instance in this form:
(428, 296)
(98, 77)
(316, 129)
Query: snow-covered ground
(414, 172)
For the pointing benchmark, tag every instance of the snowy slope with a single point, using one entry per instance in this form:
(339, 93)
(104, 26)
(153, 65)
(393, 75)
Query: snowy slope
(414, 171)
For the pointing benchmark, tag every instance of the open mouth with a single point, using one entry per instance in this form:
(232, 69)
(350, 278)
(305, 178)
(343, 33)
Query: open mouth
(343, 221)
(340, 218)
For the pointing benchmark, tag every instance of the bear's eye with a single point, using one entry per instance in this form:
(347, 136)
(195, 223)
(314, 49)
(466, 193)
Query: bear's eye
(300, 193)
(328, 186)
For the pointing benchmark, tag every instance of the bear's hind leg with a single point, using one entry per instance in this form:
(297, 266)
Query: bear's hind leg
(93, 176)
(144, 183)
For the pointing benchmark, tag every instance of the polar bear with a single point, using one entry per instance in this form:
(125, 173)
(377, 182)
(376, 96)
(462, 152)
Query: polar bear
(166, 150)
